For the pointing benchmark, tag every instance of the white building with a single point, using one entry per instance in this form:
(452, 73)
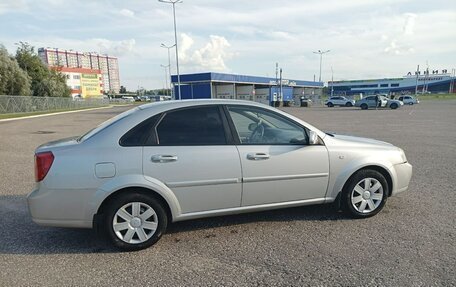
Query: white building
(109, 66)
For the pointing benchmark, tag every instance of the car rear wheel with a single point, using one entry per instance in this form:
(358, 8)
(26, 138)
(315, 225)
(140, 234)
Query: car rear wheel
(364, 106)
(365, 194)
(330, 105)
(135, 221)
(393, 106)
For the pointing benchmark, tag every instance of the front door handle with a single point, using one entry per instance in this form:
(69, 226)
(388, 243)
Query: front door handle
(161, 158)
(257, 156)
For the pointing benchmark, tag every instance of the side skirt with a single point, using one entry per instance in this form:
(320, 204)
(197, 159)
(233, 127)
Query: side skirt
(253, 208)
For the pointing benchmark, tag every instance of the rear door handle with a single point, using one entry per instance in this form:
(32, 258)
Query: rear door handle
(161, 158)
(257, 156)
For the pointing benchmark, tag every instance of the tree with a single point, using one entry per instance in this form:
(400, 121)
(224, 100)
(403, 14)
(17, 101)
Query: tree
(13, 80)
(122, 90)
(44, 82)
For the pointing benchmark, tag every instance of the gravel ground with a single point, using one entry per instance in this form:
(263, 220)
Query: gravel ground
(412, 242)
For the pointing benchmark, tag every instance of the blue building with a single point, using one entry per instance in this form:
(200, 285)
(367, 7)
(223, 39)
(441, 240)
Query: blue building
(228, 86)
(421, 83)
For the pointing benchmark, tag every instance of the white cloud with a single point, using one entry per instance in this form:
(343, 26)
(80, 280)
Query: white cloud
(12, 6)
(409, 24)
(115, 48)
(401, 41)
(185, 45)
(211, 56)
(398, 49)
(127, 13)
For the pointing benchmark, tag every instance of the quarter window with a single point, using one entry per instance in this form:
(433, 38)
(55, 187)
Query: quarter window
(142, 134)
(192, 126)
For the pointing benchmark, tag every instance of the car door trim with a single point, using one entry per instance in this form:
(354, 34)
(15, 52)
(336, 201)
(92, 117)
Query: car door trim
(284, 177)
(203, 182)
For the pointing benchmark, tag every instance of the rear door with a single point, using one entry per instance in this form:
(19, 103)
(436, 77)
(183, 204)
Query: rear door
(371, 101)
(194, 156)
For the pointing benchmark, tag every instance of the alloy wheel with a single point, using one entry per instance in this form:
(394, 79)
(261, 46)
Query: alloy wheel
(135, 222)
(367, 195)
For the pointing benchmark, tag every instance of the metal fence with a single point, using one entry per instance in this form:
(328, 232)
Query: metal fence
(21, 104)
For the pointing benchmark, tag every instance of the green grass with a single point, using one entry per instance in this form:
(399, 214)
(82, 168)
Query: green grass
(20, 115)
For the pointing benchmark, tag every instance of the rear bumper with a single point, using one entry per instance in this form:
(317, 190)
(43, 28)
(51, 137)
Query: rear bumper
(403, 176)
(52, 208)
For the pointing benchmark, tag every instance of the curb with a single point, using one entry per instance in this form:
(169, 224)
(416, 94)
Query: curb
(52, 114)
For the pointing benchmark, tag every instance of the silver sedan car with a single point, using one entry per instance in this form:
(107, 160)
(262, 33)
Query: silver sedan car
(178, 160)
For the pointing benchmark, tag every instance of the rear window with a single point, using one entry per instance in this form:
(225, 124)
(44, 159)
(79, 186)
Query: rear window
(105, 124)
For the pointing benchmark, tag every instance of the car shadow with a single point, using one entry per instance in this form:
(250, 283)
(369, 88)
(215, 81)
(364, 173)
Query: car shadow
(22, 236)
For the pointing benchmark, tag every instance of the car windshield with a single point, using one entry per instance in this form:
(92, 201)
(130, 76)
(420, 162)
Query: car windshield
(105, 124)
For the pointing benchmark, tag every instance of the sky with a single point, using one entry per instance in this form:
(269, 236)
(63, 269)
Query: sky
(366, 38)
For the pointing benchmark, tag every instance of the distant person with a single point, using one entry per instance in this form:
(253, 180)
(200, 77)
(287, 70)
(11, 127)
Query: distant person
(377, 100)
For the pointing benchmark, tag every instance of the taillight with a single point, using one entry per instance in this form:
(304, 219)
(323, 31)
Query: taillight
(43, 163)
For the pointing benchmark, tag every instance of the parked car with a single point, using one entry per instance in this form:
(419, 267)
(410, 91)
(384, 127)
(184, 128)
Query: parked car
(393, 104)
(408, 100)
(339, 101)
(179, 160)
(305, 101)
(129, 99)
(371, 102)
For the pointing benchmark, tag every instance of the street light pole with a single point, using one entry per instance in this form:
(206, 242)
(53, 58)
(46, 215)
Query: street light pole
(166, 76)
(169, 65)
(321, 57)
(175, 41)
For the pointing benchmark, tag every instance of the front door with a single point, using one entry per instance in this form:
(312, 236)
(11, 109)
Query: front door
(193, 158)
(278, 165)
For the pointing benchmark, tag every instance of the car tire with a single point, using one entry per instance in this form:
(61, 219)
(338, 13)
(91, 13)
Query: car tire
(393, 106)
(330, 105)
(411, 103)
(348, 104)
(364, 106)
(365, 194)
(134, 221)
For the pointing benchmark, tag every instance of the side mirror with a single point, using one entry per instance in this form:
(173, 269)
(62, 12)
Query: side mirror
(313, 138)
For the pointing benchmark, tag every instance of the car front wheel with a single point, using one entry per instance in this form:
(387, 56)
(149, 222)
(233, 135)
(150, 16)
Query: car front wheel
(365, 194)
(394, 106)
(135, 221)
(348, 104)
(330, 105)
(364, 106)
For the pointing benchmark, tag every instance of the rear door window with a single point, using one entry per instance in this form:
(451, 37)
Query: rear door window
(192, 126)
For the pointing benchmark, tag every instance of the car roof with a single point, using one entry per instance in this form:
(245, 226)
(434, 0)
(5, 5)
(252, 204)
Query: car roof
(197, 102)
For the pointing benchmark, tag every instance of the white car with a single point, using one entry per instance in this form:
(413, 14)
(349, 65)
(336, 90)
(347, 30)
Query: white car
(339, 101)
(408, 100)
(392, 103)
(179, 160)
(129, 99)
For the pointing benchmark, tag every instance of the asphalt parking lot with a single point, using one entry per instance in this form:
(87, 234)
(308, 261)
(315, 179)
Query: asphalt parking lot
(412, 242)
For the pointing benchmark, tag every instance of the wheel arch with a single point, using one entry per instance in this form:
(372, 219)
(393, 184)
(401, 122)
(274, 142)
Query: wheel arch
(378, 168)
(118, 185)
(140, 189)
(384, 171)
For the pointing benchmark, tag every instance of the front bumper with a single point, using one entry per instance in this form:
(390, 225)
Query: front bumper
(403, 176)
